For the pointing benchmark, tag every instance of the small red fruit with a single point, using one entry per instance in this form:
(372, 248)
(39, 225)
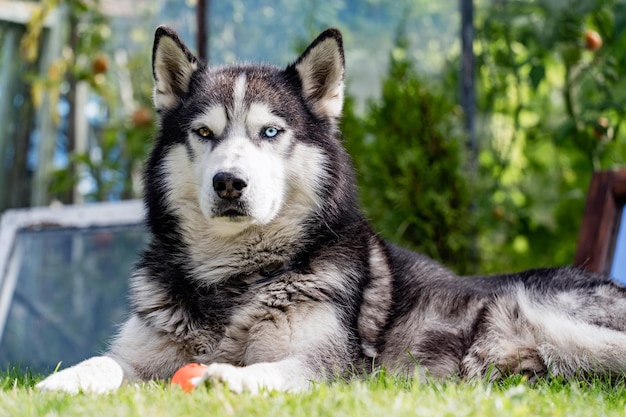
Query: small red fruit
(142, 117)
(498, 212)
(602, 129)
(100, 64)
(593, 40)
(186, 374)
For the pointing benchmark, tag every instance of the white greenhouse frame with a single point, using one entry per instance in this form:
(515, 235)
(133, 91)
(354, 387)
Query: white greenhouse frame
(78, 217)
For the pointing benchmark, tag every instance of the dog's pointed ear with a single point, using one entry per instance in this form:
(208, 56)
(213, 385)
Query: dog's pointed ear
(172, 67)
(321, 72)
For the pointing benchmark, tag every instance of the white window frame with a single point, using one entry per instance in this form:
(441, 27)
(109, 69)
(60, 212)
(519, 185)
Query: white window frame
(124, 213)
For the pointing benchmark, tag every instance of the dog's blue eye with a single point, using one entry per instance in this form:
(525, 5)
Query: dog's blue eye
(270, 132)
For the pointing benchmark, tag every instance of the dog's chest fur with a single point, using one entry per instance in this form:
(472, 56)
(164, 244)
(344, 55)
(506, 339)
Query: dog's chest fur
(243, 319)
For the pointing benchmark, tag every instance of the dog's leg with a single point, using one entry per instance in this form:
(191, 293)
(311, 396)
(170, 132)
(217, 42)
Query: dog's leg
(534, 336)
(100, 374)
(571, 343)
(286, 375)
(138, 352)
(287, 350)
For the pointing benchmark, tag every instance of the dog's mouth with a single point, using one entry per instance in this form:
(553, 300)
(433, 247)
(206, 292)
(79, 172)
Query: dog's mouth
(232, 211)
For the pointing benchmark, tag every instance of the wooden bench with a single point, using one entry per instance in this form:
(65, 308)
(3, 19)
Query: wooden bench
(601, 221)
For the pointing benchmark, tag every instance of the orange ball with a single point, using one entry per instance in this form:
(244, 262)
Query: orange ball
(186, 373)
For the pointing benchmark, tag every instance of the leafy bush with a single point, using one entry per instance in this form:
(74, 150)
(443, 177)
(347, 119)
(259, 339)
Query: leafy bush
(407, 149)
(553, 110)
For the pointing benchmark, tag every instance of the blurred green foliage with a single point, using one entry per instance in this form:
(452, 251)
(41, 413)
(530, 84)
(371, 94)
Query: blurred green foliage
(117, 81)
(551, 106)
(407, 149)
(552, 111)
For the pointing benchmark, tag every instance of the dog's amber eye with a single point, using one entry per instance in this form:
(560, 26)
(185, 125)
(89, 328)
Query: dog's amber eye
(204, 132)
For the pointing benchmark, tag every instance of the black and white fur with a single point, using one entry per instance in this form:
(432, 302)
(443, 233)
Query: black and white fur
(262, 266)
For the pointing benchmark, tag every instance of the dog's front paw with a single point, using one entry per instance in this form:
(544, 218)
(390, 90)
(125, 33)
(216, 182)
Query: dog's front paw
(236, 378)
(98, 375)
(272, 376)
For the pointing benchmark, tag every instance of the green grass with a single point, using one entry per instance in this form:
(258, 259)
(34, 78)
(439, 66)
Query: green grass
(381, 395)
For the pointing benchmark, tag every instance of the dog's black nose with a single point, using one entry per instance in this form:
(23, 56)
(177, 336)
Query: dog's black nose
(228, 186)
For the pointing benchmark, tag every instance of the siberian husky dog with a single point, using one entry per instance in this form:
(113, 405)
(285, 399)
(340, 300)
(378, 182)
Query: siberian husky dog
(262, 266)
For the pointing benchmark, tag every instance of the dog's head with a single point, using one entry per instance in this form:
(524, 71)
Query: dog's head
(240, 145)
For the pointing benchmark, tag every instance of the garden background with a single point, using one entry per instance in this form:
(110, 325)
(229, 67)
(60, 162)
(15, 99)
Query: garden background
(550, 107)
